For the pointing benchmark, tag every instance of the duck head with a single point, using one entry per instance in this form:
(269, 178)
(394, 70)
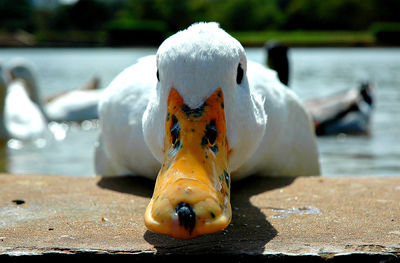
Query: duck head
(202, 122)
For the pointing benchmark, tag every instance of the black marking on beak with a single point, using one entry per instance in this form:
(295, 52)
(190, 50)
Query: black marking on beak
(211, 131)
(210, 135)
(175, 131)
(186, 216)
(196, 113)
(214, 148)
(227, 177)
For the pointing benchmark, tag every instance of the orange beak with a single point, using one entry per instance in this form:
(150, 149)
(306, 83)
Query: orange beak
(192, 191)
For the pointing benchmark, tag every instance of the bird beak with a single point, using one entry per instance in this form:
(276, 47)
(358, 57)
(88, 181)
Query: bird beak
(192, 191)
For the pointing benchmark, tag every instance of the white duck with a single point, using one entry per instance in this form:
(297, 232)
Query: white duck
(203, 113)
(20, 117)
(76, 105)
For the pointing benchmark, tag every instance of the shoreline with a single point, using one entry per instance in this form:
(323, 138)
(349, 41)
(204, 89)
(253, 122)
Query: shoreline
(99, 39)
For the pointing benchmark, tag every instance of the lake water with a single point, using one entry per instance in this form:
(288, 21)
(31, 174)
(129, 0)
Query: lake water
(314, 72)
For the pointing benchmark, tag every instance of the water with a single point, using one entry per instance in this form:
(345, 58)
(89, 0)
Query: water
(314, 72)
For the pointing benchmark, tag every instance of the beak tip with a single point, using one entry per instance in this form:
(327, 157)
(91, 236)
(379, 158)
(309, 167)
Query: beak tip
(185, 224)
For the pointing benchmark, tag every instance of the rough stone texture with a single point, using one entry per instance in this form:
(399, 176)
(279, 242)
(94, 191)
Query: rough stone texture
(273, 218)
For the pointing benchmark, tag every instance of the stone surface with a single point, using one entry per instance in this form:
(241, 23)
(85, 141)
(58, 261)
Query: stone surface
(316, 217)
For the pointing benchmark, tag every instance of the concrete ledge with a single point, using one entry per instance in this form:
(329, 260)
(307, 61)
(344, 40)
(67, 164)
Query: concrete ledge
(317, 219)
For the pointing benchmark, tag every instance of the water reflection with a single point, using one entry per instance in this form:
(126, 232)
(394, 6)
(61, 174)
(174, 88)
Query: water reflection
(69, 150)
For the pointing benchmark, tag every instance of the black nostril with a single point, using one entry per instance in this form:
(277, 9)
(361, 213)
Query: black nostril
(186, 215)
(210, 135)
(175, 130)
(211, 131)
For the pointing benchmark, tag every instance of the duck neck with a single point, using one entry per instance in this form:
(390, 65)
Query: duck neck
(277, 59)
(34, 94)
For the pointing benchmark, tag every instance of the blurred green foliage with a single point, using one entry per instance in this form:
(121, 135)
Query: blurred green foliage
(306, 38)
(167, 16)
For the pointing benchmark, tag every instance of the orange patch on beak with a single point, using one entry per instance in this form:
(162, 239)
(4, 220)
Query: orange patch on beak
(192, 191)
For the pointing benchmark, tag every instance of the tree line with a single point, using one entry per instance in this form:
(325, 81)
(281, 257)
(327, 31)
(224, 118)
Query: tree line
(166, 16)
(178, 14)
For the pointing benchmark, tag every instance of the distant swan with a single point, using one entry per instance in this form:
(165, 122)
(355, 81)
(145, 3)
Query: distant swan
(20, 117)
(76, 105)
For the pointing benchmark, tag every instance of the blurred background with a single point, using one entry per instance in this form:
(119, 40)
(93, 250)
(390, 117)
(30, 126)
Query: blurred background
(107, 22)
(334, 47)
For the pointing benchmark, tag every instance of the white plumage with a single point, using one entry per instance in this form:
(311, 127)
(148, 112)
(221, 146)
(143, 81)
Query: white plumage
(20, 117)
(23, 118)
(75, 105)
(268, 129)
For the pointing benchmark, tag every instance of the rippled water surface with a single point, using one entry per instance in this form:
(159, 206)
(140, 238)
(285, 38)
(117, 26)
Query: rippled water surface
(315, 72)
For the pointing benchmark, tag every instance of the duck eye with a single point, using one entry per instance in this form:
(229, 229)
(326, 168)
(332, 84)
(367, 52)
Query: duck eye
(239, 76)
(158, 76)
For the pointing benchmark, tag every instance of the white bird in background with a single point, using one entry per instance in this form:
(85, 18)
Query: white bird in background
(24, 116)
(21, 117)
(75, 105)
(202, 113)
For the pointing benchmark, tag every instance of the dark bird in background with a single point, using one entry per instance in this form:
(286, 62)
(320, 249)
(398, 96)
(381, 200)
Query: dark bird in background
(347, 112)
